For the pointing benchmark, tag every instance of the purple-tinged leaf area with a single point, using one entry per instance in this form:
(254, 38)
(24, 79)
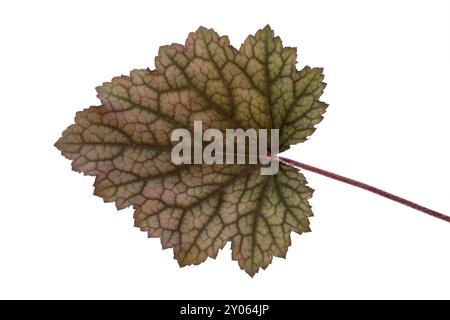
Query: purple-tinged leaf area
(196, 209)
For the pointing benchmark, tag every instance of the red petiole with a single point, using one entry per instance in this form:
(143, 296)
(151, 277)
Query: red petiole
(364, 186)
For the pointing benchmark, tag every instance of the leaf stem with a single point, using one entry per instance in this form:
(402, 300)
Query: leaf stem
(364, 186)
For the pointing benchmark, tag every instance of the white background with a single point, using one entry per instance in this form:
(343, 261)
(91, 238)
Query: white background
(387, 68)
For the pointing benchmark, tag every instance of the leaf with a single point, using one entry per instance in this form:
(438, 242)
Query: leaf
(196, 209)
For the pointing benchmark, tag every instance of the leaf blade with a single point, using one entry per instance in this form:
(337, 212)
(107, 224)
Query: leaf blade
(196, 209)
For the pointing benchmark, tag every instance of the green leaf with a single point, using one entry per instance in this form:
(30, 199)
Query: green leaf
(196, 209)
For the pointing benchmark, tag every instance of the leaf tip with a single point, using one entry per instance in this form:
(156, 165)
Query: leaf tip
(267, 28)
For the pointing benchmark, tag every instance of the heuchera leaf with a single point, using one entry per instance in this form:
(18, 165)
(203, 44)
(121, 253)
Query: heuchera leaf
(196, 209)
